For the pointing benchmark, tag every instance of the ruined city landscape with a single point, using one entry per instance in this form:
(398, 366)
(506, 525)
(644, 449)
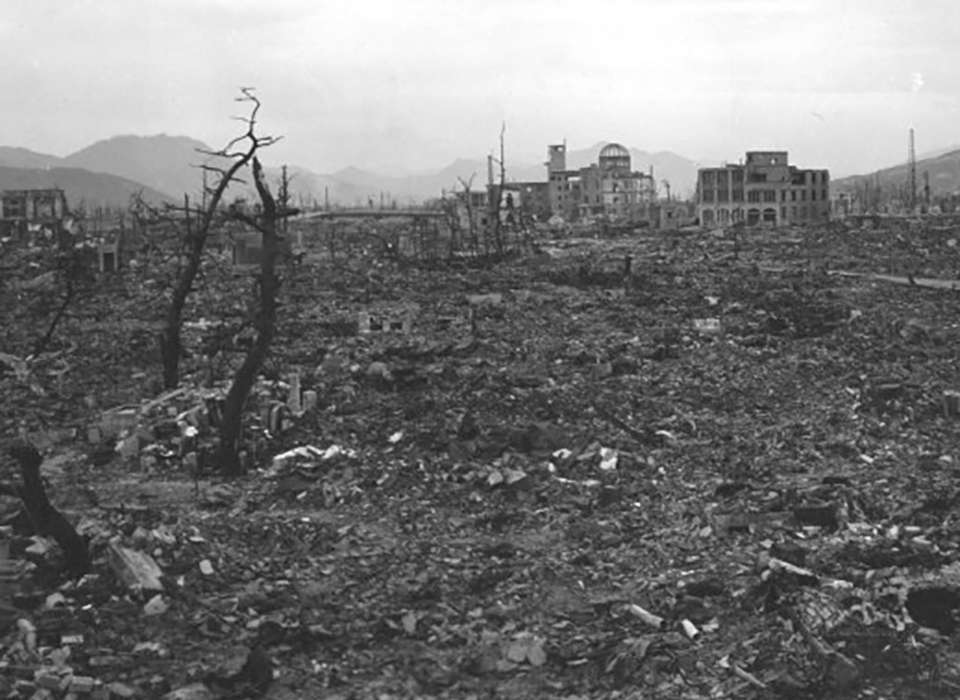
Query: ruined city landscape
(626, 421)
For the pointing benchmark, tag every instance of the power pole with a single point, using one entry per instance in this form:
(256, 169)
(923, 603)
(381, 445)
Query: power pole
(912, 184)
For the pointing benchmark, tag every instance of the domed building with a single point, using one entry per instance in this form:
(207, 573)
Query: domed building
(614, 157)
(607, 188)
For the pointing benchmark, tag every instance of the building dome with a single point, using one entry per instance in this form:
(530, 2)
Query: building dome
(613, 156)
(614, 150)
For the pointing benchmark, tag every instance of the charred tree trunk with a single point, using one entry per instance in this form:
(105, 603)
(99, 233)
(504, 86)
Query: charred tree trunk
(68, 297)
(171, 346)
(231, 427)
(497, 228)
(45, 519)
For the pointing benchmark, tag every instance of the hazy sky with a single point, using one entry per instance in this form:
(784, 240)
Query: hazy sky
(413, 84)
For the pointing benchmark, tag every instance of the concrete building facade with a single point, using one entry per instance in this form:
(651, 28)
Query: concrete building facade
(607, 188)
(765, 190)
(23, 210)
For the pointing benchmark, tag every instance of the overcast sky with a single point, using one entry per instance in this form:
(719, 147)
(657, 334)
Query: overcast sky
(413, 84)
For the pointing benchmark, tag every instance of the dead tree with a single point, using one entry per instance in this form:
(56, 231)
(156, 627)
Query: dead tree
(497, 202)
(451, 215)
(239, 151)
(43, 518)
(75, 268)
(471, 218)
(265, 322)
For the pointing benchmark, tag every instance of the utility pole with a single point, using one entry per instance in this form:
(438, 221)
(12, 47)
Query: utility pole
(284, 199)
(912, 184)
(926, 188)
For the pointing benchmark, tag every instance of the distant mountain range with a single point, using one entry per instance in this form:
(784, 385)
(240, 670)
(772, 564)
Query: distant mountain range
(943, 169)
(164, 168)
(84, 189)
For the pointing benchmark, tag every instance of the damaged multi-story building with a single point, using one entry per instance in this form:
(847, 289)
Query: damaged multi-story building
(32, 211)
(765, 190)
(607, 188)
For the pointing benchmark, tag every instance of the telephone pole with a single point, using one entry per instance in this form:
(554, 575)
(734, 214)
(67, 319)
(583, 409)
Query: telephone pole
(912, 184)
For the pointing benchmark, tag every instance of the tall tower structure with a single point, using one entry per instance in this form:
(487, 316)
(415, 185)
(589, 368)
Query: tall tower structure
(912, 183)
(557, 158)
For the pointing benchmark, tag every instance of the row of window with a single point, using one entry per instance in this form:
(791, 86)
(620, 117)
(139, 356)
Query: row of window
(14, 207)
(796, 212)
(754, 196)
(718, 178)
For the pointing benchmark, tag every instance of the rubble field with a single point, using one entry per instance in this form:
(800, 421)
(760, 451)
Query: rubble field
(730, 473)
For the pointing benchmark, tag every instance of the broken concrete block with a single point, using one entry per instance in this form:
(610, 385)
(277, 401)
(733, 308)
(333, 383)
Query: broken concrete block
(951, 404)
(379, 320)
(39, 549)
(817, 514)
(195, 691)
(276, 417)
(122, 690)
(50, 680)
(708, 326)
(294, 397)
(379, 371)
(485, 299)
(135, 569)
(82, 684)
(190, 462)
(117, 420)
(129, 447)
(156, 606)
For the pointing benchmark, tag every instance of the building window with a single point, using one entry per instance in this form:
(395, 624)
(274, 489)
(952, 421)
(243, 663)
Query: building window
(813, 195)
(737, 195)
(769, 195)
(708, 195)
(783, 212)
(783, 196)
(14, 207)
(825, 196)
(722, 196)
(803, 195)
(793, 212)
(753, 196)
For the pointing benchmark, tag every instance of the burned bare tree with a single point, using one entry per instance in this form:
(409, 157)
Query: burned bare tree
(74, 267)
(265, 322)
(496, 202)
(240, 152)
(42, 517)
(468, 203)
